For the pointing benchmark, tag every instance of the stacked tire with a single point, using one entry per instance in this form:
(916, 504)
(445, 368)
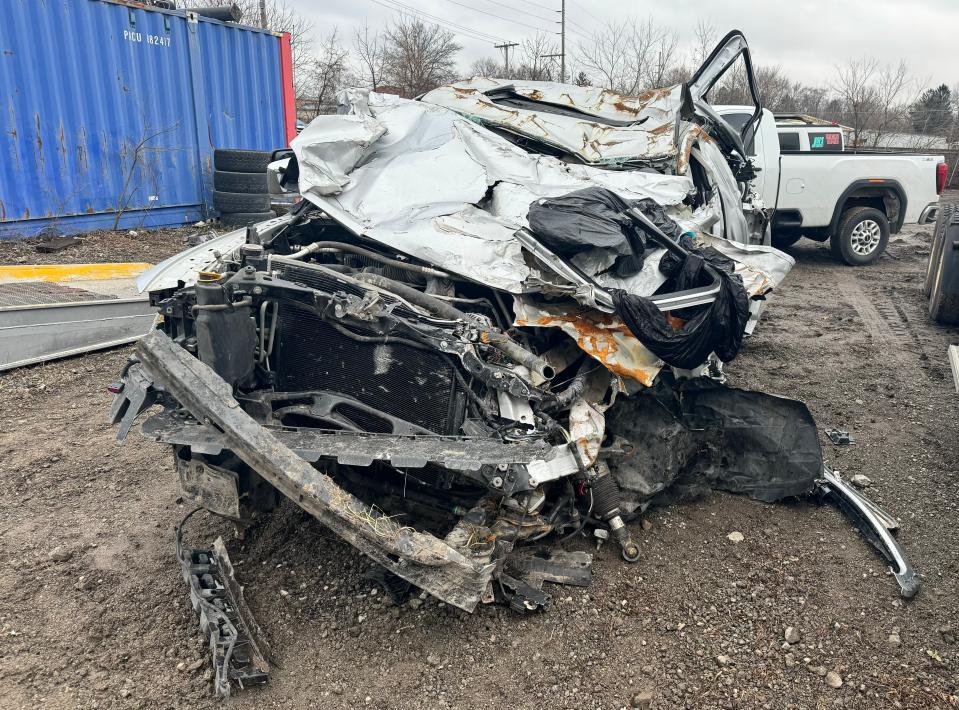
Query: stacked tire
(942, 272)
(240, 192)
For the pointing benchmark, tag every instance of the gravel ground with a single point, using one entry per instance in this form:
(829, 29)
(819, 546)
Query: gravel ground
(93, 613)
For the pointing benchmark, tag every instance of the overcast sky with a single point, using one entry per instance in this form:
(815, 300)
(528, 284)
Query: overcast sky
(806, 37)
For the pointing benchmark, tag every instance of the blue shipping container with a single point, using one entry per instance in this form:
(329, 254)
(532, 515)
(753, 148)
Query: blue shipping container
(113, 106)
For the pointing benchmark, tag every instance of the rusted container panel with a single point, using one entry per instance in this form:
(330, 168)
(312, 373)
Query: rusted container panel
(112, 106)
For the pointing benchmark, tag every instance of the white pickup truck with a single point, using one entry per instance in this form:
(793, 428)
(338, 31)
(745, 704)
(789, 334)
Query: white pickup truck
(854, 199)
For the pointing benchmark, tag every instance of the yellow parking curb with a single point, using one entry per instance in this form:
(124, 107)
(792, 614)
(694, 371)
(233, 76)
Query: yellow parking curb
(70, 272)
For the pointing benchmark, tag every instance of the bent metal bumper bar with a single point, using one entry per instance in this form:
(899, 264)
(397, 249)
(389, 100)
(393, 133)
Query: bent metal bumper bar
(420, 558)
(875, 524)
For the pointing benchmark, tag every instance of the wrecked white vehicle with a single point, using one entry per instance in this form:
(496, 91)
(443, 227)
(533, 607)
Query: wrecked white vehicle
(498, 320)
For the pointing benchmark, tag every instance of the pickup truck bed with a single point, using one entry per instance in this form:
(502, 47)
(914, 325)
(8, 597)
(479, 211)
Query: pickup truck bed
(854, 199)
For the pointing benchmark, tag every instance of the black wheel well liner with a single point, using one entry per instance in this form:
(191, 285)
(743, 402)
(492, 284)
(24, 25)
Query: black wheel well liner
(866, 193)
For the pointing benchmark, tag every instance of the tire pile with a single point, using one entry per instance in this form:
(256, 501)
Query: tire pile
(240, 193)
(942, 271)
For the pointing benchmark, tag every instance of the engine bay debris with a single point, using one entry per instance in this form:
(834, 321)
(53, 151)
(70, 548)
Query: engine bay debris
(239, 652)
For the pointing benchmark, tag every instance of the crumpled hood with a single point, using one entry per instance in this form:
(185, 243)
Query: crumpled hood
(430, 182)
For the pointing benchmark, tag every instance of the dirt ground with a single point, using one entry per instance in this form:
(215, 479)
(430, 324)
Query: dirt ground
(93, 613)
(104, 246)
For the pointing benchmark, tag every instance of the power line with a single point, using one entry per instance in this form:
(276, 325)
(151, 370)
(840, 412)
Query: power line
(516, 9)
(448, 24)
(536, 4)
(498, 17)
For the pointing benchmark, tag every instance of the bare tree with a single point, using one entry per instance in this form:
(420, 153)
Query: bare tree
(371, 56)
(662, 59)
(326, 74)
(536, 63)
(418, 56)
(871, 98)
(140, 164)
(893, 107)
(704, 38)
(488, 67)
(631, 56)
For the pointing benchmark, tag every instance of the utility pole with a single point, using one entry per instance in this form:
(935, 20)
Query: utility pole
(562, 42)
(506, 47)
(263, 14)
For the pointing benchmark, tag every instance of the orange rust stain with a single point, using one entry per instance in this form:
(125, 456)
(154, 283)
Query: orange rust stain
(39, 137)
(652, 95)
(662, 130)
(536, 95)
(675, 322)
(595, 333)
(622, 106)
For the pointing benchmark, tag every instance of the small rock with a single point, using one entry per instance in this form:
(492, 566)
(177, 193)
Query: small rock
(197, 664)
(643, 699)
(125, 692)
(647, 526)
(833, 679)
(894, 639)
(861, 481)
(60, 554)
(791, 635)
(723, 661)
(790, 659)
(948, 635)
(201, 223)
(132, 233)
(818, 670)
(433, 660)
(284, 593)
(735, 536)
(181, 666)
(416, 602)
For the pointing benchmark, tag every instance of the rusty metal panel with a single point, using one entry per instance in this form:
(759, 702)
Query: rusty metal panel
(108, 106)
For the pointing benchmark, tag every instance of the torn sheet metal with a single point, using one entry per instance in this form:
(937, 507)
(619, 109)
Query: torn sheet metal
(472, 192)
(624, 129)
(601, 335)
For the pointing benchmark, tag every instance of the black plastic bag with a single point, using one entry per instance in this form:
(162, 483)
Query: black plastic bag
(585, 219)
(717, 327)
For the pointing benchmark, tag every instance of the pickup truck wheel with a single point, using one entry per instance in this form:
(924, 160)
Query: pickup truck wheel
(784, 241)
(943, 218)
(862, 236)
